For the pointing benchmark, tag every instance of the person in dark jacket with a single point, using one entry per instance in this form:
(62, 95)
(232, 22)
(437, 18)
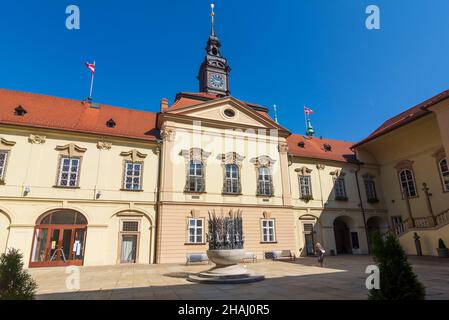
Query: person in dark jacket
(319, 252)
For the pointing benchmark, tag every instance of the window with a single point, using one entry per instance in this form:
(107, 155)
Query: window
(133, 176)
(195, 179)
(305, 186)
(408, 183)
(195, 229)
(398, 226)
(19, 111)
(111, 123)
(340, 189)
(69, 169)
(371, 193)
(3, 159)
(268, 233)
(130, 226)
(444, 171)
(232, 179)
(327, 147)
(264, 185)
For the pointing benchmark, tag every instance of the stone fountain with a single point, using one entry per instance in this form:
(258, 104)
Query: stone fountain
(226, 241)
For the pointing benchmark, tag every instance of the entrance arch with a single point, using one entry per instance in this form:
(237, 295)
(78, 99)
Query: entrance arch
(59, 239)
(342, 235)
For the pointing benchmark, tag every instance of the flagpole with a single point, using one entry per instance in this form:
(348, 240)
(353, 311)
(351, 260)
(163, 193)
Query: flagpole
(305, 118)
(91, 84)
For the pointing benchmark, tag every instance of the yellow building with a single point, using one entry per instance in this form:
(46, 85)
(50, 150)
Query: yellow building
(90, 184)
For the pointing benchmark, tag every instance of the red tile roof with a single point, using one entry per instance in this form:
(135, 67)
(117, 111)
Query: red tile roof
(72, 115)
(315, 148)
(405, 117)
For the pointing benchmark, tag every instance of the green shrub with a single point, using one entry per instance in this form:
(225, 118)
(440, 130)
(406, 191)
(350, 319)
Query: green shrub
(397, 279)
(15, 283)
(441, 244)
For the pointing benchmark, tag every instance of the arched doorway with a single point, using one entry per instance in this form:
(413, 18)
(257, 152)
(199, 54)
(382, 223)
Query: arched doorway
(59, 239)
(342, 235)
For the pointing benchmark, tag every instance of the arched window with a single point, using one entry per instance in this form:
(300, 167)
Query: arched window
(195, 178)
(232, 179)
(59, 239)
(408, 183)
(264, 187)
(444, 171)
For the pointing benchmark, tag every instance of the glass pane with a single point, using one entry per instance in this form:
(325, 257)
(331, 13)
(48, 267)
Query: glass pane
(78, 244)
(40, 242)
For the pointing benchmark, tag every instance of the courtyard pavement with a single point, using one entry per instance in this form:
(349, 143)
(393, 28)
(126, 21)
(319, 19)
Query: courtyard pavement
(342, 278)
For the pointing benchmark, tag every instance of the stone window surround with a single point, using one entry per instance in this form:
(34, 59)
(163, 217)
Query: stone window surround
(71, 151)
(6, 147)
(235, 159)
(194, 216)
(195, 154)
(135, 157)
(339, 175)
(369, 177)
(406, 165)
(267, 217)
(264, 162)
(304, 172)
(439, 156)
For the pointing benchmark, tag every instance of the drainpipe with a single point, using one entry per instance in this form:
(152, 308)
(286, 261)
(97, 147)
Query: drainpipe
(158, 204)
(362, 207)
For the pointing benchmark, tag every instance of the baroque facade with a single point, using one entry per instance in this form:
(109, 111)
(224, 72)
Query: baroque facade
(90, 184)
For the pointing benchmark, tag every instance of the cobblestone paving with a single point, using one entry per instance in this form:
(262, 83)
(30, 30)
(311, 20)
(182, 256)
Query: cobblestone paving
(341, 278)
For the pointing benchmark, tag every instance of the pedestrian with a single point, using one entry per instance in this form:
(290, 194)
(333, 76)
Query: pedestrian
(319, 251)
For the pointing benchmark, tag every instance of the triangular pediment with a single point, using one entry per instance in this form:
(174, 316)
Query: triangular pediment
(227, 110)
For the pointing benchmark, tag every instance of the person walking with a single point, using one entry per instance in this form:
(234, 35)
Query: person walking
(319, 252)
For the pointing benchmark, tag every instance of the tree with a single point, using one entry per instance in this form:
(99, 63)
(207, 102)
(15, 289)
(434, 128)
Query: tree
(397, 279)
(15, 283)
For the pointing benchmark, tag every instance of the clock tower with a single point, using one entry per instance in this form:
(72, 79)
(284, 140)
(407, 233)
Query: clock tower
(214, 71)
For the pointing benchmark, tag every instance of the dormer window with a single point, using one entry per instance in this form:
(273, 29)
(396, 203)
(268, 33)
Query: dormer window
(327, 147)
(19, 111)
(302, 144)
(111, 123)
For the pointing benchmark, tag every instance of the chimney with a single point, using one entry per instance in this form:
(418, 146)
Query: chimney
(164, 104)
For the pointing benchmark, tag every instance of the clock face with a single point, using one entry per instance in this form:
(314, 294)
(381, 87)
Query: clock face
(217, 81)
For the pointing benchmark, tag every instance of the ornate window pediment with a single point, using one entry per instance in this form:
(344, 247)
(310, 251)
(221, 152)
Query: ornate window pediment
(263, 161)
(133, 155)
(71, 150)
(35, 139)
(368, 176)
(231, 158)
(195, 154)
(404, 164)
(439, 155)
(337, 173)
(6, 143)
(303, 171)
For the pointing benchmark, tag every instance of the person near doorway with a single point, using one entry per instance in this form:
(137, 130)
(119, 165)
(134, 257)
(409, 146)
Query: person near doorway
(319, 252)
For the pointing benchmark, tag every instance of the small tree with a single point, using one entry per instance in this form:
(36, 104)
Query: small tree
(15, 283)
(397, 280)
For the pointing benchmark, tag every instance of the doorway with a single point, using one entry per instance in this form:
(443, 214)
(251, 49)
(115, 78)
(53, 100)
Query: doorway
(309, 239)
(342, 237)
(59, 239)
(128, 248)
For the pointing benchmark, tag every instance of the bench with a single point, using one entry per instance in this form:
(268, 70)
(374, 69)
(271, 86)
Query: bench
(249, 257)
(283, 255)
(196, 257)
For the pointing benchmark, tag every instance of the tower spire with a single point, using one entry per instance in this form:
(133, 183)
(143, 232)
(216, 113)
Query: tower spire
(212, 15)
(309, 131)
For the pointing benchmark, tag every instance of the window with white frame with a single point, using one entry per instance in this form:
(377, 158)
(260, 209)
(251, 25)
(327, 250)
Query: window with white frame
(408, 185)
(232, 179)
(268, 230)
(264, 187)
(195, 177)
(195, 230)
(398, 225)
(133, 176)
(444, 171)
(340, 189)
(370, 188)
(305, 186)
(69, 169)
(3, 160)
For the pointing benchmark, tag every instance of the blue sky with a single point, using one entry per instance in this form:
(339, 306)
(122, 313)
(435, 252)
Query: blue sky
(290, 53)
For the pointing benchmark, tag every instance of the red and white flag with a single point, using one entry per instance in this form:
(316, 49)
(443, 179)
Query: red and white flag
(307, 110)
(91, 67)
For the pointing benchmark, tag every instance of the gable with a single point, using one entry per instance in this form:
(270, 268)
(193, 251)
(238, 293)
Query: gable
(228, 111)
